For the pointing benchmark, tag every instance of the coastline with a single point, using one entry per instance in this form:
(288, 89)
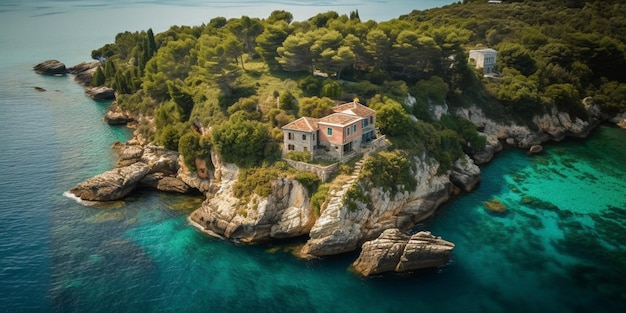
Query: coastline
(585, 130)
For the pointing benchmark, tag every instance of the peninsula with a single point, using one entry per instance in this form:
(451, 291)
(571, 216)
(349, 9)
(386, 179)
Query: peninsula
(347, 133)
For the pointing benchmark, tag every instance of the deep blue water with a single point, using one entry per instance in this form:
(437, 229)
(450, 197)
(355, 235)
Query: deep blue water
(561, 245)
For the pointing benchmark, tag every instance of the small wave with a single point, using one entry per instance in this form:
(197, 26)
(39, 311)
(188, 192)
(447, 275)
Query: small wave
(80, 201)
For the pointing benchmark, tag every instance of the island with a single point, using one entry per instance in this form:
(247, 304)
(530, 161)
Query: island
(347, 133)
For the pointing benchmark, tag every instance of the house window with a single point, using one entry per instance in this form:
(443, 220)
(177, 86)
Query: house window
(348, 131)
(303, 137)
(329, 131)
(364, 123)
(290, 136)
(354, 128)
(372, 120)
(291, 147)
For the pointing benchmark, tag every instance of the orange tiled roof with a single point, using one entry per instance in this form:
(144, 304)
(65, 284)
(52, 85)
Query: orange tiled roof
(340, 119)
(307, 124)
(354, 108)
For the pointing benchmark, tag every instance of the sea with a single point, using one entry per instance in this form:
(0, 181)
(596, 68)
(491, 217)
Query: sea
(560, 246)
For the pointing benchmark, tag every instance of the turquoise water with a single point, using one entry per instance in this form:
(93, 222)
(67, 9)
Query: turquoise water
(560, 246)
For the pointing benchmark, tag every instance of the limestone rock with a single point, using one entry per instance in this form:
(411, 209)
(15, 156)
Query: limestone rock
(160, 159)
(484, 156)
(465, 174)
(620, 120)
(340, 229)
(165, 183)
(116, 116)
(535, 149)
(50, 67)
(128, 154)
(111, 185)
(394, 251)
(84, 71)
(284, 213)
(101, 93)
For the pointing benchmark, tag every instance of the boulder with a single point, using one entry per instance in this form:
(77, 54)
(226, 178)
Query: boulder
(128, 154)
(619, 120)
(165, 183)
(116, 116)
(484, 156)
(111, 185)
(160, 159)
(84, 71)
(101, 93)
(50, 67)
(465, 174)
(535, 149)
(394, 251)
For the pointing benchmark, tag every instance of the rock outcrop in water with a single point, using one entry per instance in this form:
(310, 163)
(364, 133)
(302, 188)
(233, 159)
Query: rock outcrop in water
(101, 93)
(50, 67)
(84, 71)
(465, 174)
(111, 185)
(394, 251)
(137, 166)
(116, 116)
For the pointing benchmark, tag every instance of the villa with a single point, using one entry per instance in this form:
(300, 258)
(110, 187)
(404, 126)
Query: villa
(338, 136)
(485, 59)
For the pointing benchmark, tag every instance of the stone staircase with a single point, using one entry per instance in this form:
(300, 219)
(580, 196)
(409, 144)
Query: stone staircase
(336, 200)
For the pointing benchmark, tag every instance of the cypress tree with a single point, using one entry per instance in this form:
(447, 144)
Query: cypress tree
(98, 78)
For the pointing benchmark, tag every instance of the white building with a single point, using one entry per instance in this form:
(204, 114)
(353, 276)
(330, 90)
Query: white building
(485, 59)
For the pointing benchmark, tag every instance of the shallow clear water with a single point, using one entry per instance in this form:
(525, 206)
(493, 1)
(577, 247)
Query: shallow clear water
(560, 246)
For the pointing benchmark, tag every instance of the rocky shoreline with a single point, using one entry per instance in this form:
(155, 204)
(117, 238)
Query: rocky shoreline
(377, 228)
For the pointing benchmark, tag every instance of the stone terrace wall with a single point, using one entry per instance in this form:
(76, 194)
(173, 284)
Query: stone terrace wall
(323, 172)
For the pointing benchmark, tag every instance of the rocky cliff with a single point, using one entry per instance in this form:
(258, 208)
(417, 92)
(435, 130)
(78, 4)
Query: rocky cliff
(285, 213)
(340, 229)
(553, 126)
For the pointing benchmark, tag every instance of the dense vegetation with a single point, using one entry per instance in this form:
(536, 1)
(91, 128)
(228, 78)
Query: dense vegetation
(247, 77)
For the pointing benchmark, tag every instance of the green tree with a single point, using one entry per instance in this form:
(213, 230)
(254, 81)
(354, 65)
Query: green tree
(316, 107)
(183, 100)
(379, 47)
(271, 39)
(98, 77)
(241, 141)
(295, 53)
(391, 118)
(280, 16)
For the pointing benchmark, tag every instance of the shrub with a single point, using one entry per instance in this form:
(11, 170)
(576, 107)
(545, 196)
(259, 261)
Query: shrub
(301, 156)
(319, 197)
(309, 180)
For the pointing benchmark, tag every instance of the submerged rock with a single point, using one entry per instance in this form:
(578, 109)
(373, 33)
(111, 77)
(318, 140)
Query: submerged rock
(111, 185)
(50, 67)
(394, 251)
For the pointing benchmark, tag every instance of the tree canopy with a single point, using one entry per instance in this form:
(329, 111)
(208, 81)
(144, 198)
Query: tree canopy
(246, 77)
